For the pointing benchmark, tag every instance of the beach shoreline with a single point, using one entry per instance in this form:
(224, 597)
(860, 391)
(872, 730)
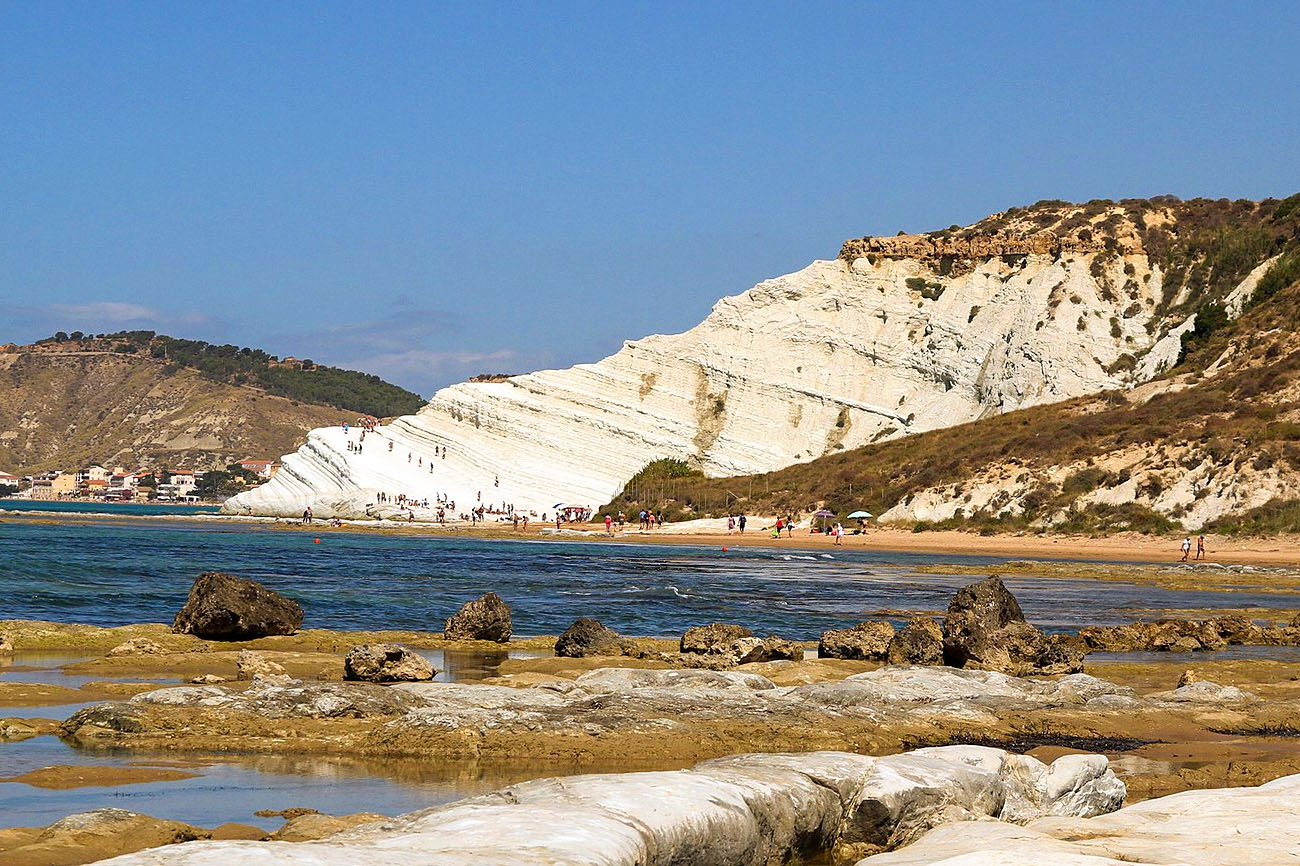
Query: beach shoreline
(1119, 548)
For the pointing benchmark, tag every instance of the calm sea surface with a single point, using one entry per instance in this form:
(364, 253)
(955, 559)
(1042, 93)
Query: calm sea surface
(112, 573)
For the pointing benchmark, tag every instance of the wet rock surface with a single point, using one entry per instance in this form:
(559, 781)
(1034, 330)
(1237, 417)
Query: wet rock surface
(225, 607)
(626, 712)
(386, 663)
(485, 618)
(744, 810)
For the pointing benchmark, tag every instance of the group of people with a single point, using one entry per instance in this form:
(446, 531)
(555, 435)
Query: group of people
(1187, 547)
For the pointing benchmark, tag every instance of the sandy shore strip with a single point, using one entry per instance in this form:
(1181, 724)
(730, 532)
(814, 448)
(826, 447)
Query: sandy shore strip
(1120, 547)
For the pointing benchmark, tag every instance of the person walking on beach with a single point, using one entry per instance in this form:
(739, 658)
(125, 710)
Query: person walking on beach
(740, 521)
(1187, 547)
(838, 532)
(731, 523)
(609, 524)
(1200, 546)
(789, 527)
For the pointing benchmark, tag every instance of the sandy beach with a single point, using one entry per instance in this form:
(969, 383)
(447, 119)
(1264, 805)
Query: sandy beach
(1130, 547)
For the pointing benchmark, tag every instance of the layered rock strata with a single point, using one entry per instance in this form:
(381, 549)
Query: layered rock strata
(744, 810)
(896, 336)
(634, 713)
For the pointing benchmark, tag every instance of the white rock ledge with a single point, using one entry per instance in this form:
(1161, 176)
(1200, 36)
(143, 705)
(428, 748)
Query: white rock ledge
(1216, 827)
(744, 810)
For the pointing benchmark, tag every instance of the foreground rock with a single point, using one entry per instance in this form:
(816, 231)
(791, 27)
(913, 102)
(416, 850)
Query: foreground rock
(89, 836)
(867, 640)
(386, 663)
(745, 810)
(224, 607)
(590, 637)
(485, 618)
(1216, 827)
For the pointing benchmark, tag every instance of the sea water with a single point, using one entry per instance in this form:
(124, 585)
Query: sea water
(114, 573)
(109, 572)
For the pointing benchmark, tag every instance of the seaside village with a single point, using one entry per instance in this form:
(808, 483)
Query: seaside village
(119, 484)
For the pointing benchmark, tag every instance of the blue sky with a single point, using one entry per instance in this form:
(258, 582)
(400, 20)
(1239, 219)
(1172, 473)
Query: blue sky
(427, 191)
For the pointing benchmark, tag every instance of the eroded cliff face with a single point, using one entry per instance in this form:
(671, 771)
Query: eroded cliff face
(897, 335)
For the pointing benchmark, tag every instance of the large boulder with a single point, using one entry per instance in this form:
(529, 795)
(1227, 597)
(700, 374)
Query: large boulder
(920, 642)
(713, 638)
(224, 607)
(386, 663)
(485, 618)
(590, 637)
(866, 640)
(986, 629)
(975, 614)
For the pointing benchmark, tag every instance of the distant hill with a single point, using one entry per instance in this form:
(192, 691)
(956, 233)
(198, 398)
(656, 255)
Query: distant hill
(295, 378)
(143, 399)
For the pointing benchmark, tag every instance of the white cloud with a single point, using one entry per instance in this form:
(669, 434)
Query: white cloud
(115, 312)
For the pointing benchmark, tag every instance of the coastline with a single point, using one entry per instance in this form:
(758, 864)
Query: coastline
(1133, 548)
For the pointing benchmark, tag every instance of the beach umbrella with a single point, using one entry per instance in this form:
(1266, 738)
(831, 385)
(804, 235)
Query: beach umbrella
(560, 505)
(860, 514)
(824, 513)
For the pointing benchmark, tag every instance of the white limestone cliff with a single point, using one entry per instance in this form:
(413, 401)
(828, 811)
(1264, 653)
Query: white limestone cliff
(896, 336)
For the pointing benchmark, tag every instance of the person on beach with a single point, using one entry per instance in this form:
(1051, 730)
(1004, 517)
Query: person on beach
(789, 527)
(1187, 547)
(780, 524)
(731, 523)
(740, 521)
(1200, 546)
(838, 532)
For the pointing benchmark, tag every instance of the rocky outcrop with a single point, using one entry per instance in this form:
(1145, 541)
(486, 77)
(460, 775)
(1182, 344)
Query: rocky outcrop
(746, 810)
(251, 663)
(897, 336)
(920, 642)
(712, 638)
(386, 663)
(589, 637)
(485, 618)
(976, 616)
(138, 646)
(1257, 826)
(1186, 635)
(224, 607)
(866, 640)
(986, 629)
(677, 714)
(722, 645)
